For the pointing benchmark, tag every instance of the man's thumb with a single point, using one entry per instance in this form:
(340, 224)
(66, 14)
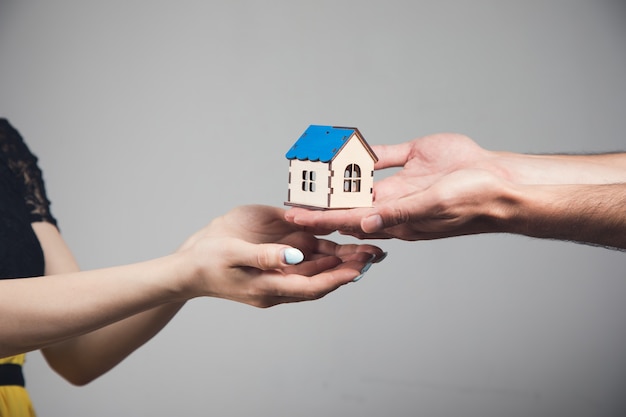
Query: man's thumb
(383, 217)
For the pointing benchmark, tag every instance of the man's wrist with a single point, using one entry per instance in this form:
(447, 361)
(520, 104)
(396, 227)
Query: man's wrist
(505, 211)
(587, 213)
(529, 209)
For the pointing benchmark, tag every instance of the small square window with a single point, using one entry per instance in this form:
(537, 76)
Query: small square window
(308, 181)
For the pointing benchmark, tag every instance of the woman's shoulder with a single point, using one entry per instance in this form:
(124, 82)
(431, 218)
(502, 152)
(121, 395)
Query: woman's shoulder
(12, 144)
(23, 164)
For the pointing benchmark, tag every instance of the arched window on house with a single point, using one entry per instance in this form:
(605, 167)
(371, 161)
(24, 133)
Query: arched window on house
(352, 179)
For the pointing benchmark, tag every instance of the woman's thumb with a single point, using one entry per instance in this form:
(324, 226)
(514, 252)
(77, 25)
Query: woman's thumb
(272, 256)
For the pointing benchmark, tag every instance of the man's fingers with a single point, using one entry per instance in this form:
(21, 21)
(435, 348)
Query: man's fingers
(392, 155)
(327, 220)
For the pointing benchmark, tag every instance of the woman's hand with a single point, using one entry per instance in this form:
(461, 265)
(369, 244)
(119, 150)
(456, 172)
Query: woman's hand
(252, 255)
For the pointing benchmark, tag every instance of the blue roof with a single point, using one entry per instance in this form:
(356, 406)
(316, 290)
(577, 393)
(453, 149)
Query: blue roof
(320, 143)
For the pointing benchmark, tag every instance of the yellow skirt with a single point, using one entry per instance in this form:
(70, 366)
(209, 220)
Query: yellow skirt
(14, 400)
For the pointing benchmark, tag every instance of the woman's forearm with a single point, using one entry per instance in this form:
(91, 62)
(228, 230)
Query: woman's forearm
(82, 359)
(48, 310)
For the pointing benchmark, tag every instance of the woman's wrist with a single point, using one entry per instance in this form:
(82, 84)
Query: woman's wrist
(185, 275)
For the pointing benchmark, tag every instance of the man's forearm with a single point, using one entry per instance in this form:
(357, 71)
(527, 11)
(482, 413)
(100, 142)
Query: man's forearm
(593, 214)
(562, 169)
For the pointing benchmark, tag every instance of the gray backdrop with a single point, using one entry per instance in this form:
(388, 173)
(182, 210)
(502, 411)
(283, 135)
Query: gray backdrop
(152, 117)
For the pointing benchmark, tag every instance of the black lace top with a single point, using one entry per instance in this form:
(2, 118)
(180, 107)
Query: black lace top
(22, 201)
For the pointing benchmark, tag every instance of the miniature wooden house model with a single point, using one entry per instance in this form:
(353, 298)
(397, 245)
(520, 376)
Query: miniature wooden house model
(331, 167)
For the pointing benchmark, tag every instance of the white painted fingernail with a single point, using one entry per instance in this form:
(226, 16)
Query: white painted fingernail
(366, 267)
(293, 256)
(358, 278)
